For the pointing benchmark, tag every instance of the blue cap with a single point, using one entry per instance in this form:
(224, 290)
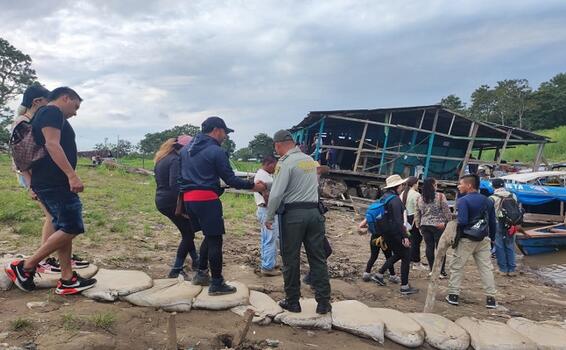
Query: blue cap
(214, 122)
(32, 92)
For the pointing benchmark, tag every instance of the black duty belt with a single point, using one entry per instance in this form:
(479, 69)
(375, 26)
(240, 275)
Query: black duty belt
(301, 205)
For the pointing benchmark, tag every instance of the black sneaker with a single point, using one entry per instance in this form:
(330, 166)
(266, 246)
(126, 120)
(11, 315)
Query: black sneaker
(23, 279)
(379, 280)
(79, 263)
(49, 265)
(75, 285)
(176, 273)
(201, 278)
(452, 299)
(490, 303)
(408, 290)
(291, 306)
(221, 289)
(323, 308)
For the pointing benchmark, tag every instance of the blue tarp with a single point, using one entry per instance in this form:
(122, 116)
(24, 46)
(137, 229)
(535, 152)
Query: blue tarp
(530, 194)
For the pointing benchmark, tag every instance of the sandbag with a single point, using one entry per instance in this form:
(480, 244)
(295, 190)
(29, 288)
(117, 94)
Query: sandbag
(442, 333)
(223, 302)
(5, 281)
(169, 294)
(400, 328)
(264, 307)
(488, 335)
(354, 317)
(547, 335)
(112, 284)
(49, 280)
(307, 318)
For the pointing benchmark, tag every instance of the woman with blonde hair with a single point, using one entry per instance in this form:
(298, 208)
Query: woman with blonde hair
(167, 169)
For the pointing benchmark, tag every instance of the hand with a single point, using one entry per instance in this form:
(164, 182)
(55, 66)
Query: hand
(259, 186)
(363, 224)
(440, 226)
(406, 243)
(269, 225)
(76, 184)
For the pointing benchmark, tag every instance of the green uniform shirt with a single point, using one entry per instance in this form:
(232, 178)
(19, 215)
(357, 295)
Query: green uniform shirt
(295, 180)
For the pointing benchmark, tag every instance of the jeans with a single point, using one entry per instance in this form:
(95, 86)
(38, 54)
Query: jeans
(504, 250)
(269, 240)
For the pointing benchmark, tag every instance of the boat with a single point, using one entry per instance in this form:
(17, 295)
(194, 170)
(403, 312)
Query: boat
(548, 239)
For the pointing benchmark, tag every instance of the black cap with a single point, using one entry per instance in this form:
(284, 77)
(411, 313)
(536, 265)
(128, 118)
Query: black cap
(32, 92)
(214, 122)
(497, 183)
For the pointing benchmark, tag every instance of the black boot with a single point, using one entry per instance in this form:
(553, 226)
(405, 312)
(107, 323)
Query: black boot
(290, 306)
(323, 307)
(201, 278)
(219, 287)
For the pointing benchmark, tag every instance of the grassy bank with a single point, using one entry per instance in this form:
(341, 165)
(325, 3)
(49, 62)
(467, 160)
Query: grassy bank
(553, 152)
(116, 205)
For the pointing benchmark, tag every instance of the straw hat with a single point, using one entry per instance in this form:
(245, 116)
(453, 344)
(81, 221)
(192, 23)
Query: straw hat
(394, 181)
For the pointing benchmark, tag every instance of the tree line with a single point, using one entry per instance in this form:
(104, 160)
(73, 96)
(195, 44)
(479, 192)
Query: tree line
(513, 102)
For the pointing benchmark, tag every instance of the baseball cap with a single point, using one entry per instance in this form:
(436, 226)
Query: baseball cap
(32, 92)
(282, 136)
(214, 122)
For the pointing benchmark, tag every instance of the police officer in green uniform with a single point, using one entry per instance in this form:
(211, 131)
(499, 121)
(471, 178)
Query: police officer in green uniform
(294, 197)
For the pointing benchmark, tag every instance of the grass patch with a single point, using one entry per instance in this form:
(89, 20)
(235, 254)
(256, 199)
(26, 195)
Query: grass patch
(20, 324)
(103, 320)
(70, 322)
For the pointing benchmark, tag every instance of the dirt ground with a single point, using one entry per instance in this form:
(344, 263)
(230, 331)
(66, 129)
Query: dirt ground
(142, 328)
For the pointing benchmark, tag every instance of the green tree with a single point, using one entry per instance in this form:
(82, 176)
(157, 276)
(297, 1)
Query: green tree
(243, 154)
(454, 103)
(229, 146)
(548, 104)
(15, 75)
(483, 104)
(152, 141)
(512, 97)
(261, 145)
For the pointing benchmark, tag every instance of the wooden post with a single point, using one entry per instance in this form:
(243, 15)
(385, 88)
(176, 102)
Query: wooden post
(473, 131)
(481, 152)
(248, 317)
(538, 157)
(451, 124)
(360, 147)
(446, 241)
(430, 144)
(172, 332)
(388, 121)
(507, 137)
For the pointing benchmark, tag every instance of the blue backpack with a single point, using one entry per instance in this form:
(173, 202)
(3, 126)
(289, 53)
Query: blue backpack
(376, 216)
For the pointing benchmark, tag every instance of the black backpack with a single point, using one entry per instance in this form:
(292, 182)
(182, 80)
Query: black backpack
(510, 210)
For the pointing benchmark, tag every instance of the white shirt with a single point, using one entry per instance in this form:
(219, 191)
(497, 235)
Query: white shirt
(261, 175)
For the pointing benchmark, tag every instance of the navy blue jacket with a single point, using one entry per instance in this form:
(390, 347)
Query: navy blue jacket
(470, 206)
(204, 163)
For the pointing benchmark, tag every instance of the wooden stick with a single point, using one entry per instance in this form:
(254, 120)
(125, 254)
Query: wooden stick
(172, 332)
(249, 316)
(445, 242)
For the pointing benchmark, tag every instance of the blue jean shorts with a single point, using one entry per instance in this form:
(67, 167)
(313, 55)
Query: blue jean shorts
(65, 207)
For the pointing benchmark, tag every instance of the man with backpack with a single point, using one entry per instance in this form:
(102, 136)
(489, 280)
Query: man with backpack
(509, 215)
(476, 227)
(389, 221)
(56, 184)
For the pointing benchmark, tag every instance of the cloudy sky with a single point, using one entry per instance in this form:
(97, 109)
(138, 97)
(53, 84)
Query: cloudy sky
(145, 66)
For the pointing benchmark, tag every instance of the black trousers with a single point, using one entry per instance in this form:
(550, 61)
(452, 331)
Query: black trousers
(416, 239)
(374, 250)
(431, 237)
(400, 252)
(211, 253)
(187, 243)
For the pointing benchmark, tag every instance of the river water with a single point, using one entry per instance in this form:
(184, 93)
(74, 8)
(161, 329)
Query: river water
(551, 267)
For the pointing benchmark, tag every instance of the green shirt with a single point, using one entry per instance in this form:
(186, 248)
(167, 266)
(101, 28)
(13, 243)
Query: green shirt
(295, 180)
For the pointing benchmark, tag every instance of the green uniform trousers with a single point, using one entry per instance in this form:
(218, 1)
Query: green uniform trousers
(304, 226)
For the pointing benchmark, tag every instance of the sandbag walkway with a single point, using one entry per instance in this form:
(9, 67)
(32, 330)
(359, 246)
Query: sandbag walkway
(407, 329)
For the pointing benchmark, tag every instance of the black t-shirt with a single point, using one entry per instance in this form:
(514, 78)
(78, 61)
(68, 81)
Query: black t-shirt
(45, 173)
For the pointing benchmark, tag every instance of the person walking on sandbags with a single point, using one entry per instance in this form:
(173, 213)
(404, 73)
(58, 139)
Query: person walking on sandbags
(294, 197)
(203, 163)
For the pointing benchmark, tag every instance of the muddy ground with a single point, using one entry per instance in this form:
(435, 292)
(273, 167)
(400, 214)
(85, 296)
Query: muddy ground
(67, 322)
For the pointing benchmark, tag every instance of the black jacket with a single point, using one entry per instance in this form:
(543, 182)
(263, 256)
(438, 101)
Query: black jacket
(204, 163)
(395, 209)
(166, 175)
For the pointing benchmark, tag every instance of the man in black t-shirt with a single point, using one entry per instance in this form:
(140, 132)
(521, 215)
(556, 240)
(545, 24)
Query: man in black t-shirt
(56, 184)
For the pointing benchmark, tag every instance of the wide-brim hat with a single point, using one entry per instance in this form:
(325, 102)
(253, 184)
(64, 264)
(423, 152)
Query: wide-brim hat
(394, 181)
